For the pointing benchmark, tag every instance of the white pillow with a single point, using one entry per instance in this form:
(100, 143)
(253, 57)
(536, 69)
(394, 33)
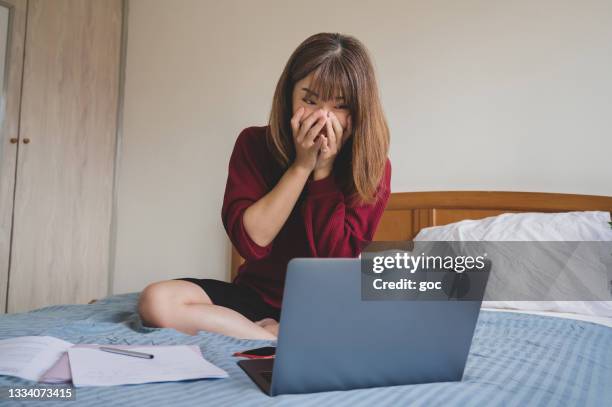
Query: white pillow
(567, 226)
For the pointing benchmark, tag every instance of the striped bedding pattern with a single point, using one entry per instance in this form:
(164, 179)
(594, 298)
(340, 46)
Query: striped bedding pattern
(515, 360)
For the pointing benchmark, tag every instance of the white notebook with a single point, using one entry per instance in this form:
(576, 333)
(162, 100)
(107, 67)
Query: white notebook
(93, 367)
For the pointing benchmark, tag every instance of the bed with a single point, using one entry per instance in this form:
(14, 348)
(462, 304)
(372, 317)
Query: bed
(516, 358)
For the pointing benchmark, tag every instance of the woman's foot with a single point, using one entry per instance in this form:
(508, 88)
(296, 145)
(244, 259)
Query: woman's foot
(269, 325)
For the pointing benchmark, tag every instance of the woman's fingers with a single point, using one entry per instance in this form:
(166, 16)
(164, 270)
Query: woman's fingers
(295, 121)
(307, 126)
(321, 145)
(314, 131)
(307, 129)
(325, 148)
(331, 135)
(305, 116)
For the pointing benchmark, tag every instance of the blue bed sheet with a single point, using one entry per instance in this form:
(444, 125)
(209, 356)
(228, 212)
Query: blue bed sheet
(515, 360)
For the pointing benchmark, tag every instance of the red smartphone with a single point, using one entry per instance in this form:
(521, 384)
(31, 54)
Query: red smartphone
(266, 352)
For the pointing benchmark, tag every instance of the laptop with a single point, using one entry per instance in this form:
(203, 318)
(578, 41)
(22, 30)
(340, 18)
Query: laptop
(329, 339)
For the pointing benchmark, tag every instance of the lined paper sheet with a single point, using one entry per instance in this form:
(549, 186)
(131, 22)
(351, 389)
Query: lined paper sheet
(93, 367)
(60, 372)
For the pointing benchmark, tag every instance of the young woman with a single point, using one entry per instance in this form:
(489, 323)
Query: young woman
(313, 183)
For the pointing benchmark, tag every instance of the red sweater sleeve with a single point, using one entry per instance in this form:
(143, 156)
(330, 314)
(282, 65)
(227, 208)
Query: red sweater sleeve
(245, 186)
(334, 229)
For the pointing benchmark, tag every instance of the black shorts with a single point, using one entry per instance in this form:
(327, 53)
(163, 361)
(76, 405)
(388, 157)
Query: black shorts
(240, 298)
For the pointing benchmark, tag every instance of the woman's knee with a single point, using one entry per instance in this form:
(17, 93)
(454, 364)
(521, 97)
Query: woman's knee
(155, 304)
(159, 302)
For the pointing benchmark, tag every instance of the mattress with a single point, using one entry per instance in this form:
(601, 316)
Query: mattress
(516, 359)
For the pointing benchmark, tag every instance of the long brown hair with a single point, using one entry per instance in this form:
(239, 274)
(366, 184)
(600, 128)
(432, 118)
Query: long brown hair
(340, 65)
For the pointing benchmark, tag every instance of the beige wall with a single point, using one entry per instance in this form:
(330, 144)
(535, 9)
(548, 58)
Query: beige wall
(484, 94)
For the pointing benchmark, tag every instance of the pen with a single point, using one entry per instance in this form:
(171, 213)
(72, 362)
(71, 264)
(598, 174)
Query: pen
(126, 352)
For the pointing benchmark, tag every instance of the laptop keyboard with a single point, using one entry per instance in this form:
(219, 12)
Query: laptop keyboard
(267, 376)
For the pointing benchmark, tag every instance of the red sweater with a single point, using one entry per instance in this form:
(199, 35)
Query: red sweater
(320, 224)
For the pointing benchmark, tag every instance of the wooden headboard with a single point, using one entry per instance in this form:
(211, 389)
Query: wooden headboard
(408, 212)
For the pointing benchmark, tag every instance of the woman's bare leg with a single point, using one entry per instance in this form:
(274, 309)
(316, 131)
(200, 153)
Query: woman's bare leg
(185, 307)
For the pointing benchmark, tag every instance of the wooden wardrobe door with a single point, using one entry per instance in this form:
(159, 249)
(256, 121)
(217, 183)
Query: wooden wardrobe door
(65, 172)
(12, 35)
